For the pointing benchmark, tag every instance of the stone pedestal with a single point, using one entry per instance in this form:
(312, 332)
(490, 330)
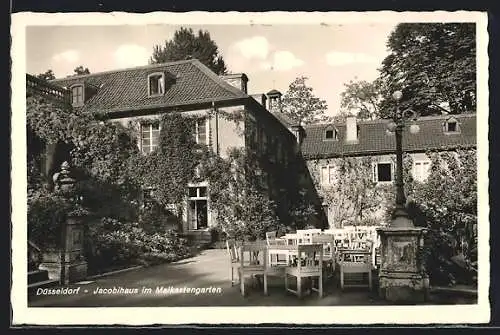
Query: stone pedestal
(67, 265)
(402, 277)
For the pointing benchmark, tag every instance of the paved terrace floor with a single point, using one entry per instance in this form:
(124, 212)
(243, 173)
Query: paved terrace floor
(210, 268)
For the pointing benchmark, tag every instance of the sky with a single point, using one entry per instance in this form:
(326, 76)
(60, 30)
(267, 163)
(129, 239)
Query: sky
(272, 56)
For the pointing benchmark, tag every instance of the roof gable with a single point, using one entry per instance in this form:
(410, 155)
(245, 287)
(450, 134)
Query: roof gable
(125, 90)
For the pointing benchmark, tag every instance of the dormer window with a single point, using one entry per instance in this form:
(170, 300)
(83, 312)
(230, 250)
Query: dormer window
(77, 93)
(156, 84)
(331, 134)
(451, 126)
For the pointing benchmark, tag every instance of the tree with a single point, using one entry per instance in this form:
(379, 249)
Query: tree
(300, 104)
(80, 70)
(362, 98)
(185, 44)
(47, 75)
(434, 64)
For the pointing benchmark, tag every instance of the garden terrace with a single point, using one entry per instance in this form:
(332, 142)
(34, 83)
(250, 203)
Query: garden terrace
(40, 87)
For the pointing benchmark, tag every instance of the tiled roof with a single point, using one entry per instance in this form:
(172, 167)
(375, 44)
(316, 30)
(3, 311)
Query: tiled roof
(375, 139)
(125, 90)
(284, 119)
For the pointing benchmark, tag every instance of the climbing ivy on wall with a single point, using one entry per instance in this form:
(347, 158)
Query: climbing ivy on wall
(170, 167)
(243, 209)
(114, 171)
(447, 205)
(100, 154)
(354, 196)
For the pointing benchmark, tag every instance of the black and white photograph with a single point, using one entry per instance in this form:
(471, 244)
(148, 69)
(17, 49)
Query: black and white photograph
(320, 167)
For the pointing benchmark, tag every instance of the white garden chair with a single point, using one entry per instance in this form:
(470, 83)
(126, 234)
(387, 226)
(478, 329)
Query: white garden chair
(253, 261)
(309, 264)
(354, 264)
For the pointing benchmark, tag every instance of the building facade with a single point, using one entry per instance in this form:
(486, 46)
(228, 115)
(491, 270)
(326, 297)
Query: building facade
(346, 170)
(353, 164)
(226, 117)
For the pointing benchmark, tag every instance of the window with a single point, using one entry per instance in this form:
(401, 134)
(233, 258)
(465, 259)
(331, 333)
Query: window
(201, 131)
(328, 176)
(451, 126)
(150, 137)
(148, 196)
(197, 192)
(331, 134)
(421, 170)
(77, 95)
(382, 172)
(156, 84)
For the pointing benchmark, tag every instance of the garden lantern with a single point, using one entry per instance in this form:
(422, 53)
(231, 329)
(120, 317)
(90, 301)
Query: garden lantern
(402, 277)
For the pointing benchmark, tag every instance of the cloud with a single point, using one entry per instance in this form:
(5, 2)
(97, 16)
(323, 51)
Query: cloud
(69, 56)
(339, 58)
(282, 61)
(128, 55)
(253, 47)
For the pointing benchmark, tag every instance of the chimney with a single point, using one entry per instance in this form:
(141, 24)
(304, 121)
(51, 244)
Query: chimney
(274, 101)
(351, 134)
(238, 80)
(299, 132)
(261, 99)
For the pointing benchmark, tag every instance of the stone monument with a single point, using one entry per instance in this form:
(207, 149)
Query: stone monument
(402, 276)
(68, 263)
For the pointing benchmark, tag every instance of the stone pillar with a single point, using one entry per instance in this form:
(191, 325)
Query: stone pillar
(402, 276)
(68, 263)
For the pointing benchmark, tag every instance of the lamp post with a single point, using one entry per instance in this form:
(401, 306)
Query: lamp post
(400, 118)
(402, 276)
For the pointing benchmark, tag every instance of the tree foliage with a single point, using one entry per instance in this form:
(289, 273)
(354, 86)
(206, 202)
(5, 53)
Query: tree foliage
(244, 211)
(446, 204)
(47, 75)
(186, 44)
(433, 64)
(80, 70)
(100, 152)
(362, 98)
(300, 104)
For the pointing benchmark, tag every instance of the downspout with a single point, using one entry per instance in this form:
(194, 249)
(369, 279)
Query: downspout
(216, 127)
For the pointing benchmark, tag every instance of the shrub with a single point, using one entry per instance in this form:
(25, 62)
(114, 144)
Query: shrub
(446, 204)
(113, 243)
(154, 218)
(163, 247)
(46, 213)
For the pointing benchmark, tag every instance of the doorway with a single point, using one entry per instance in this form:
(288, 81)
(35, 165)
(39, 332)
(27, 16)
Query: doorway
(198, 209)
